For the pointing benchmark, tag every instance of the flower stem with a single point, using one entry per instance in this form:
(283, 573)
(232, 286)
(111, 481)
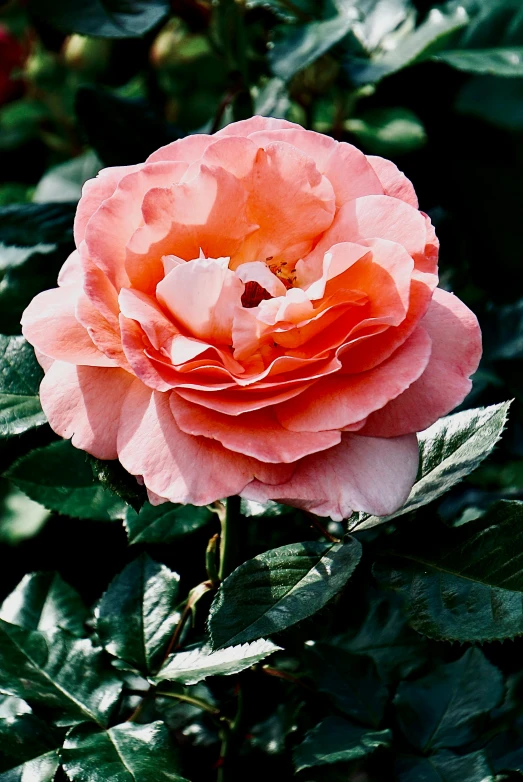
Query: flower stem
(314, 519)
(230, 520)
(199, 702)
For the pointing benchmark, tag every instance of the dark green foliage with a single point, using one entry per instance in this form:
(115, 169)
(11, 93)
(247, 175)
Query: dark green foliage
(279, 588)
(370, 653)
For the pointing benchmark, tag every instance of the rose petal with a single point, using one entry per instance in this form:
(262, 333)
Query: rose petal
(393, 181)
(456, 351)
(114, 222)
(347, 169)
(290, 201)
(94, 192)
(257, 434)
(202, 296)
(361, 473)
(84, 403)
(175, 465)
(340, 400)
(49, 323)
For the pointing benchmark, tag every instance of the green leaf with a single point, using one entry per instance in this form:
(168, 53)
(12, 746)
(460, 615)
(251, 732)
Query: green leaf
(278, 588)
(500, 102)
(396, 649)
(40, 769)
(266, 510)
(20, 517)
(449, 450)
(300, 45)
(125, 753)
(462, 584)
(351, 682)
(165, 523)
(13, 707)
(42, 601)
(118, 481)
(444, 766)
(196, 665)
(57, 671)
(496, 62)
(60, 478)
(440, 27)
(64, 182)
(23, 738)
(447, 707)
(20, 377)
(336, 740)
(102, 18)
(27, 225)
(136, 617)
(389, 131)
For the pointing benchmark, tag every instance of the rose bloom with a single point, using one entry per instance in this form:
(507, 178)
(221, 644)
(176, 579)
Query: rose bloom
(254, 312)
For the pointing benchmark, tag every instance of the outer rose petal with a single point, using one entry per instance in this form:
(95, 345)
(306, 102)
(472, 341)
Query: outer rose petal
(84, 403)
(71, 272)
(188, 149)
(245, 127)
(361, 473)
(117, 218)
(190, 217)
(347, 169)
(49, 323)
(257, 434)
(394, 181)
(175, 465)
(456, 351)
(94, 192)
(340, 400)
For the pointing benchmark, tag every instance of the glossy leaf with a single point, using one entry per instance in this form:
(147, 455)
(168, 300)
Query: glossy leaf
(20, 377)
(27, 225)
(444, 766)
(20, 517)
(42, 601)
(336, 740)
(278, 588)
(196, 665)
(464, 584)
(496, 62)
(59, 477)
(300, 45)
(13, 707)
(432, 35)
(40, 769)
(388, 132)
(24, 738)
(351, 682)
(446, 707)
(127, 752)
(103, 18)
(165, 523)
(396, 649)
(449, 450)
(57, 671)
(136, 617)
(64, 182)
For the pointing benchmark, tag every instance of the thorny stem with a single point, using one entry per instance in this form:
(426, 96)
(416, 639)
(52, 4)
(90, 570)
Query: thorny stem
(228, 734)
(229, 520)
(211, 559)
(288, 677)
(199, 702)
(315, 520)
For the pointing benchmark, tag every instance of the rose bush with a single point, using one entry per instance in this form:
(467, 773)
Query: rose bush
(256, 313)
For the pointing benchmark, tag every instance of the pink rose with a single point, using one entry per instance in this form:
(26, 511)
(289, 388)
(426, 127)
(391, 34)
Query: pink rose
(254, 313)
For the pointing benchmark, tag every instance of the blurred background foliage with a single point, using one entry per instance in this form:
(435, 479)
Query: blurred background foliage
(436, 88)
